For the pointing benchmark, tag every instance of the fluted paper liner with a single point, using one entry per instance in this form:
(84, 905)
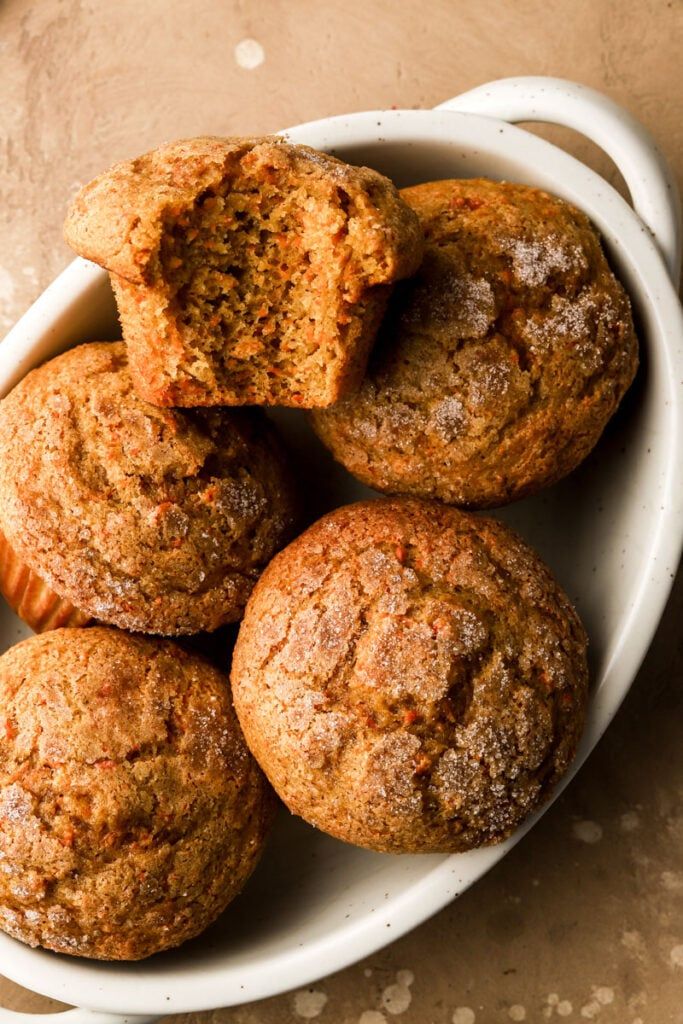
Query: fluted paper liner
(31, 598)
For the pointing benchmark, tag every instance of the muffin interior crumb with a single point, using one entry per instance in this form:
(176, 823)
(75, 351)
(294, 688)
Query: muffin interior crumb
(258, 278)
(247, 271)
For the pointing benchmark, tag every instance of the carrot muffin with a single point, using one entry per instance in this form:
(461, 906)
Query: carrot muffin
(246, 271)
(500, 363)
(154, 520)
(410, 678)
(131, 811)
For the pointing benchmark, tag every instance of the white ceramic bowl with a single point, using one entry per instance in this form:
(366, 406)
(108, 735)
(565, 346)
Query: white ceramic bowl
(612, 533)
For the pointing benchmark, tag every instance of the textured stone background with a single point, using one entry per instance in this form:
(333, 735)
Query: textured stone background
(584, 920)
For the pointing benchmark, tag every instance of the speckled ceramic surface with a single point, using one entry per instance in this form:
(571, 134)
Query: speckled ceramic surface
(492, 942)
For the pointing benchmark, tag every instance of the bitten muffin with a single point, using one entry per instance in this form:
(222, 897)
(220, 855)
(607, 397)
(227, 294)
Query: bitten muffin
(246, 271)
(131, 811)
(153, 520)
(410, 678)
(500, 363)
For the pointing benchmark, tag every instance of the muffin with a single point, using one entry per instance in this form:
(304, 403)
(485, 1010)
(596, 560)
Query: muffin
(246, 271)
(500, 363)
(131, 809)
(410, 677)
(158, 521)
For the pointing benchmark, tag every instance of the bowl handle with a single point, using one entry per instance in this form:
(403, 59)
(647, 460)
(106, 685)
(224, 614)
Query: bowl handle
(75, 1016)
(653, 188)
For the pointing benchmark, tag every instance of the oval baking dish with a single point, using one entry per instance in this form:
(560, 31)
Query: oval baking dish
(611, 532)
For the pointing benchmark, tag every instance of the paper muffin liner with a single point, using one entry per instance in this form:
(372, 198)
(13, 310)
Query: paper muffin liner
(31, 598)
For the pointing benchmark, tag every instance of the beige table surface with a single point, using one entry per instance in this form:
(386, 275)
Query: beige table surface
(584, 920)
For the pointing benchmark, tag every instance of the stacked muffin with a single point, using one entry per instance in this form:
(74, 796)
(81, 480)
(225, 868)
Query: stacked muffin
(409, 677)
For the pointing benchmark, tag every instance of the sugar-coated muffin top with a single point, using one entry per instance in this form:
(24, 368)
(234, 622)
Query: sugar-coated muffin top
(131, 808)
(149, 519)
(500, 362)
(411, 678)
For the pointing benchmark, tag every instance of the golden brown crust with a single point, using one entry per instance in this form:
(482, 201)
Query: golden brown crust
(131, 811)
(410, 678)
(247, 271)
(151, 520)
(500, 363)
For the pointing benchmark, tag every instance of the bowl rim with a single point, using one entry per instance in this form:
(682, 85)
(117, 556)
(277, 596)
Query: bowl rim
(117, 988)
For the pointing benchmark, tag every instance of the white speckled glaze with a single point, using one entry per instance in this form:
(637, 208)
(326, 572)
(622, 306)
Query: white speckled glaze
(612, 533)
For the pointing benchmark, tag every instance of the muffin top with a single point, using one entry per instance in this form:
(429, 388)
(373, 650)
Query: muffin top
(153, 520)
(500, 362)
(131, 809)
(411, 678)
(119, 219)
